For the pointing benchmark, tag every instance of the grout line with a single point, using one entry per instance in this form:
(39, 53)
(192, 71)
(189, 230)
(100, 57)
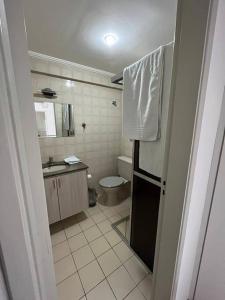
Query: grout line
(103, 271)
(79, 277)
(59, 243)
(140, 289)
(66, 278)
(62, 258)
(100, 267)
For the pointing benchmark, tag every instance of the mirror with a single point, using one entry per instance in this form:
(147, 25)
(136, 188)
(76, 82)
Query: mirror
(54, 119)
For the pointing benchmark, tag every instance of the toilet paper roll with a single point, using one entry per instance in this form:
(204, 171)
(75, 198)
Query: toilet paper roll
(89, 176)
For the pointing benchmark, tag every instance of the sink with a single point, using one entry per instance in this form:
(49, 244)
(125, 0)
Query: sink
(53, 168)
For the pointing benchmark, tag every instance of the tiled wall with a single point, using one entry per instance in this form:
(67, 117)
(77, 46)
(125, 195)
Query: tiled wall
(126, 147)
(100, 143)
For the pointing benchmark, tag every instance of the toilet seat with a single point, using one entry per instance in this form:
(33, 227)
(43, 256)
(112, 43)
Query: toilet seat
(111, 181)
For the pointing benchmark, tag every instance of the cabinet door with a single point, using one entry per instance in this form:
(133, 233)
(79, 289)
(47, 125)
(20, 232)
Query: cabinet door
(73, 193)
(52, 200)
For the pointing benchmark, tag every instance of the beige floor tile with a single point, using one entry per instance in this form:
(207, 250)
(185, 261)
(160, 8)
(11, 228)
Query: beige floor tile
(102, 207)
(58, 237)
(124, 213)
(135, 295)
(123, 252)
(109, 262)
(77, 242)
(124, 205)
(93, 210)
(99, 246)
(99, 217)
(101, 292)
(92, 233)
(60, 250)
(109, 212)
(70, 288)
(121, 283)
(83, 256)
(122, 227)
(115, 218)
(105, 226)
(146, 286)
(64, 268)
(87, 224)
(112, 237)
(91, 275)
(72, 230)
(136, 269)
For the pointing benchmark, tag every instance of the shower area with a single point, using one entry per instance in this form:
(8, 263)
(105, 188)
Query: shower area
(138, 227)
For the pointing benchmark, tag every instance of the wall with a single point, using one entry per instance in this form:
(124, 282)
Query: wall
(99, 144)
(126, 147)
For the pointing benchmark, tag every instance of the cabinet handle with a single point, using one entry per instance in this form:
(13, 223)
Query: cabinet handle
(59, 182)
(53, 182)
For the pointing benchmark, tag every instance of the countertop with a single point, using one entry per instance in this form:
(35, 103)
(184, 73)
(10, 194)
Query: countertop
(68, 168)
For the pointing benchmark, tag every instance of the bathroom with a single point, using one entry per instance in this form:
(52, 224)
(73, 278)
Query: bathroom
(95, 169)
(103, 159)
(112, 149)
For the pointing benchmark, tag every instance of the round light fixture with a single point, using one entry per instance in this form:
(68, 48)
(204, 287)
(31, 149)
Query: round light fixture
(110, 39)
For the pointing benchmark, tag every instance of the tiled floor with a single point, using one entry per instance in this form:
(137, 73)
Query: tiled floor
(93, 263)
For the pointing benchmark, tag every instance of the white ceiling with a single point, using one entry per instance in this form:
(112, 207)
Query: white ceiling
(73, 29)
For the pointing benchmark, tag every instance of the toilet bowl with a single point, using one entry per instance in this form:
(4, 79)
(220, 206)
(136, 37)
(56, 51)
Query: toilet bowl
(114, 189)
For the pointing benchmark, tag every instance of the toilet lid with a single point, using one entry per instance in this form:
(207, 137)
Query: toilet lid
(112, 181)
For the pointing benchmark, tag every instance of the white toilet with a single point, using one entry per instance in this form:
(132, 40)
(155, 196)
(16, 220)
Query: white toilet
(115, 189)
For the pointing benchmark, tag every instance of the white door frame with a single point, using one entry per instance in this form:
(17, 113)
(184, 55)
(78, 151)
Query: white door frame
(205, 155)
(191, 31)
(24, 235)
(218, 148)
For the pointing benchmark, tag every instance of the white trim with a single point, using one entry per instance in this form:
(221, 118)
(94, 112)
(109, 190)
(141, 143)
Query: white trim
(67, 63)
(184, 94)
(24, 232)
(11, 131)
(202, 165)
(213, 176)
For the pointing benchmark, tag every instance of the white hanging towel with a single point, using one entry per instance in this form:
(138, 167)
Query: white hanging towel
(142, 97)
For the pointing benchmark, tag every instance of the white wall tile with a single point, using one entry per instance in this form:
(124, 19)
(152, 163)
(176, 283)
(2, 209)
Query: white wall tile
(101, 142)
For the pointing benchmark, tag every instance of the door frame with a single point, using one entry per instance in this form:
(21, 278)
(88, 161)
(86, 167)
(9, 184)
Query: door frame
(218, 148)
(189, 55)
(26, 253)
(205, 155)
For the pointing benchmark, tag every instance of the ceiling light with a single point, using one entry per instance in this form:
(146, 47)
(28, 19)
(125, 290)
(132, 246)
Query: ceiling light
(110, 39)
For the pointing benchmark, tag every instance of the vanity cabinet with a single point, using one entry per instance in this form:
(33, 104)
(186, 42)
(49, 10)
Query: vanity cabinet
(66, 195)
(52, 199)
(72, 193)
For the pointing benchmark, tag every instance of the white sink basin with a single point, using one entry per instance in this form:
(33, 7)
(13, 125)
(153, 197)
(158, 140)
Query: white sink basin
(53, 168)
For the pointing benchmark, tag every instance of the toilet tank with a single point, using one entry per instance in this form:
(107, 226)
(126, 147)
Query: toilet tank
(125, 167)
